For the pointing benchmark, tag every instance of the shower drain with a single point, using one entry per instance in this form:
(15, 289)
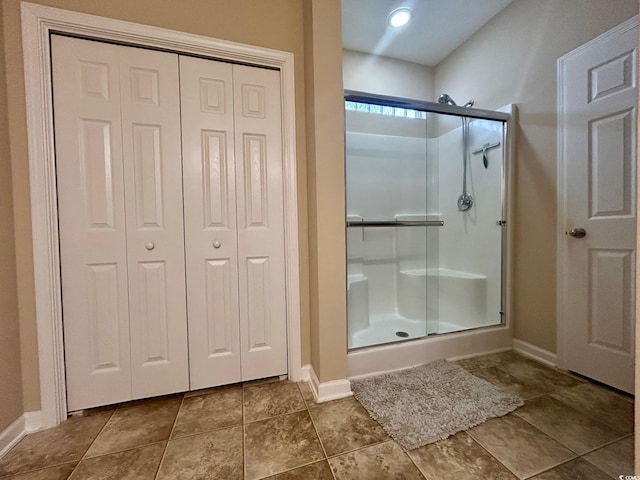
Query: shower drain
(402, 334)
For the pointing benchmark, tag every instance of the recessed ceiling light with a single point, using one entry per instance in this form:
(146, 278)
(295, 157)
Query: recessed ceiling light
(399, 17)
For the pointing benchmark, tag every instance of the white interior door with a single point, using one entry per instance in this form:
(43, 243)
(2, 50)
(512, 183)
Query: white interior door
(598, 121)
(91, 211)
(210, 221)
(260, 207)
(150, 98)
(117, 122)
(234, 225)
(120, 179)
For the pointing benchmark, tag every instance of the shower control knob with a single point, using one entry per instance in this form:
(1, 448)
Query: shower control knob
(578, 232)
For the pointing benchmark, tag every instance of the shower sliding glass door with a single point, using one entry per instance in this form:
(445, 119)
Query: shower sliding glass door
(418, 262)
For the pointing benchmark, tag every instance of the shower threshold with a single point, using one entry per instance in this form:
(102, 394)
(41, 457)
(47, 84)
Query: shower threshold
(392, 327)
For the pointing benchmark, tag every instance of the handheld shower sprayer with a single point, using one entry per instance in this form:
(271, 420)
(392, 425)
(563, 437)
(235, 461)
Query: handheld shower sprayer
(465, 201)
(446, 100)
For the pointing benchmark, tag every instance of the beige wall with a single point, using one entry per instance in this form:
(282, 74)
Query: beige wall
(10, 376)
(513, 60)
(387, 76)
(274, 24)
(325, 152)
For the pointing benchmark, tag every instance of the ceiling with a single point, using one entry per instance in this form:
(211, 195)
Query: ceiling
(436, 29)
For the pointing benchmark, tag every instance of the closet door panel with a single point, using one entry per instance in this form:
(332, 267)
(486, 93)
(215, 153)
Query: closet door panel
(155, 233)
(91, 212)
(260, 197)
(210, 221)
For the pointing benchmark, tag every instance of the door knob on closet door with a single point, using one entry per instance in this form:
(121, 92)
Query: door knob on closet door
(149, 245)
(578, 232)
(216, 244)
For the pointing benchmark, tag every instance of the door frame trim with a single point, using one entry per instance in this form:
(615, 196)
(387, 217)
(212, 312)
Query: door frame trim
(563, 334)
(38, 22)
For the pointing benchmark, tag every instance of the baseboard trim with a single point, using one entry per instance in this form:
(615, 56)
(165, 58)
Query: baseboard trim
(32, 421)
(536, 353)
(305, 373)
(12, 435)
(326, 391)
(26, 423)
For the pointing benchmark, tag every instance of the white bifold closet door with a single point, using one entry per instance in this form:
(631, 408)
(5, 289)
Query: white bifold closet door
(234, 221)
(118, 160)
(141, 137)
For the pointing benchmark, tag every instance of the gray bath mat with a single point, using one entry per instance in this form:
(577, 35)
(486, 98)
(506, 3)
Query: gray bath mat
(428, 403)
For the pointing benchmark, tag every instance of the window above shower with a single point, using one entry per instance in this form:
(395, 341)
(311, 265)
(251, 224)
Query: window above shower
(384, 110)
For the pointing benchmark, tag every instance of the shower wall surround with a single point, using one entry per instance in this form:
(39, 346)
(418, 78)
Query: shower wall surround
(410, 282)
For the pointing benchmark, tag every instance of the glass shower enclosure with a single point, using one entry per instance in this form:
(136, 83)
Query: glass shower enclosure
(426, 210)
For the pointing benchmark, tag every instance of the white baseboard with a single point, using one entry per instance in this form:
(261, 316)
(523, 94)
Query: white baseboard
(536, 353)
(32, 421)
(305, 373)
(326, 391)
(26, 423)
(12, 435)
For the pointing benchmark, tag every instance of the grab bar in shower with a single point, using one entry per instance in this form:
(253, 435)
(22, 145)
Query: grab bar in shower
(396, 223)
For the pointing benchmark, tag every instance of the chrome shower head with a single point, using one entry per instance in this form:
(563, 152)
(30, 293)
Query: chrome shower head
(446, 99)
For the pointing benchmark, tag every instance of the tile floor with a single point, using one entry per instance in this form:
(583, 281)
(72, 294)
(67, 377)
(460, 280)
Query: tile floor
(568, 429)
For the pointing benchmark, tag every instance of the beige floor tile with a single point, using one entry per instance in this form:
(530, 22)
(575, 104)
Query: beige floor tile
(209, 391)
(344, 425)
(485, 361)
(458, 458)
(136, 426)
(281, 443)
(307, 394)
(204, 413)
(601, 404)
(510, 384)
(262, 381)
(382, 461)
(615, 459)
(65, 443)
(568, 426)
(522, 448)
(61, 472)
(539, 376)
(212, 456)
(93, 411)
(271, 399)
(316, 471)
(151, 401)
(577, 469)
(138, 464)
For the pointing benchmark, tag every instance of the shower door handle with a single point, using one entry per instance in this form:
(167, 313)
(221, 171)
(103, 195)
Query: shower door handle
(578, 232)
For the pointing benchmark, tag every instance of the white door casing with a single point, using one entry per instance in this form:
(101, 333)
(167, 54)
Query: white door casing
(210, 221)
(38, 22)
(597, 191)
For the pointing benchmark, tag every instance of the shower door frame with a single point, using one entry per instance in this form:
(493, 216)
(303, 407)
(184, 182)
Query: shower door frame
(506, 115)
